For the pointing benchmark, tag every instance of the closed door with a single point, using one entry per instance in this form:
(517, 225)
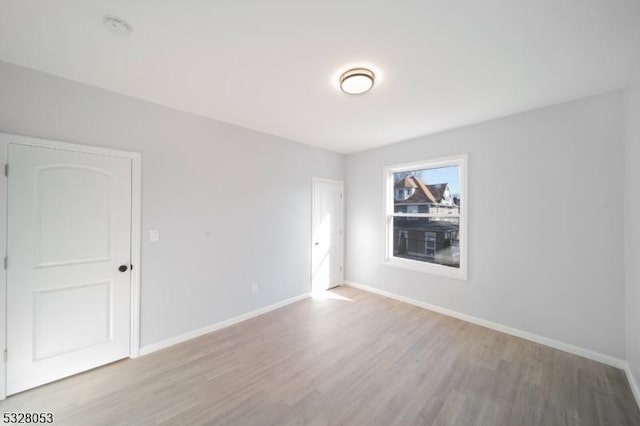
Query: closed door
(327, 235)
(69, 251)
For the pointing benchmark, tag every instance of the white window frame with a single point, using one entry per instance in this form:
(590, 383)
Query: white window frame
(389, 259)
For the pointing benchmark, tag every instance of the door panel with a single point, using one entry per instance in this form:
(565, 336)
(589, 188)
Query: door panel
(55, 327)
(69, 229)
(328, 240)
(79, 215)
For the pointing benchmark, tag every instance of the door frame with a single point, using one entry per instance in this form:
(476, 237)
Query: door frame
(136, 233)
(314, 181)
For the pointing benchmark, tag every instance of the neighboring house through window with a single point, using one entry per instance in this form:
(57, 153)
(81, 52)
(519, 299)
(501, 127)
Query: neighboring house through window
(426, 215)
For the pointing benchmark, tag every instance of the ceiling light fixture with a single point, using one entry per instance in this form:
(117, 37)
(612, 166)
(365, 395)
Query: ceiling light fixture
(357, 81)
(117, 26)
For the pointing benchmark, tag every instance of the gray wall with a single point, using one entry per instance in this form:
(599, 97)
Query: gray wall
(545, 226)
(632, 222)
(546, 223)
(233, 206)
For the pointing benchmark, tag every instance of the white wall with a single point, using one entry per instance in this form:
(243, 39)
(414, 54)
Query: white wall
(233, 206)
(545, 227)
(632, 222)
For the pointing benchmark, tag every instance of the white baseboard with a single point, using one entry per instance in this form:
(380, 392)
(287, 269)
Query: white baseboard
(633, 383)
(219, 325)
(586, 353)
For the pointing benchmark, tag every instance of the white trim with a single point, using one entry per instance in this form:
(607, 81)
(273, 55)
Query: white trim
(317, 179)
(136, 234)
(410, 215)
(145, 350)
(435, 163)
(136, 253)
(632, 382)
(566, 347)
(67, 146)
(4, 151)
(388, 259)
(422, 266)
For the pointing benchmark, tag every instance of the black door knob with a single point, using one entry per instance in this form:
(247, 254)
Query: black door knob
(123, 268)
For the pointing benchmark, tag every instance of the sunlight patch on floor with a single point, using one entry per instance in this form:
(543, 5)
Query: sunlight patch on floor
(329, 295)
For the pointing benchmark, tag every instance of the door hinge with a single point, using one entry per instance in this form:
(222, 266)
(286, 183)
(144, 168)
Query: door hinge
(6, 170)
(5, 356)
(6, 262)
(340, 193)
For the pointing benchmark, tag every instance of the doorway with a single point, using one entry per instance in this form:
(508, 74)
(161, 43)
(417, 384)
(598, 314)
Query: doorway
(327, 242)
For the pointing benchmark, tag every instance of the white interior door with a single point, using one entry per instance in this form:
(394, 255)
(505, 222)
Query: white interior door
(69, 233)
(327, 259)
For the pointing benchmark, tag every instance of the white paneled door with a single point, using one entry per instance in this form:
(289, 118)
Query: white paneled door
(327, 263)
(68, 269)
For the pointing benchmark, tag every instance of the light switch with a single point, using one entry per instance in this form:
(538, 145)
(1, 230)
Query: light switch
(154, 235)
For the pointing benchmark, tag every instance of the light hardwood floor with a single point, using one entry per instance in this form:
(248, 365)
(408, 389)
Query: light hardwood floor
(355, 359)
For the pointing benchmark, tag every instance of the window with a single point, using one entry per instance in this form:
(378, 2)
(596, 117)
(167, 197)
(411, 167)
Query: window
(427, 231)
(430, 244)
(402, 246)
(412, 209)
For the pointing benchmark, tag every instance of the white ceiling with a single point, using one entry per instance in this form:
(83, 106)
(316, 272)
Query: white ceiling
(272, 65)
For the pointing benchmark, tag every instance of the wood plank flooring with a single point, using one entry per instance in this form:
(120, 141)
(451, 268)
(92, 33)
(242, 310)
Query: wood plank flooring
(353, 359)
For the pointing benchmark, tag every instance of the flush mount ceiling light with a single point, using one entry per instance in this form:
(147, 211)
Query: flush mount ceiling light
(357, 81)
(117, 26)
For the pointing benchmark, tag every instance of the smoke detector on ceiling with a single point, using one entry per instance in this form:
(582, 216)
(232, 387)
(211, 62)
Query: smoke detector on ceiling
(117, 26)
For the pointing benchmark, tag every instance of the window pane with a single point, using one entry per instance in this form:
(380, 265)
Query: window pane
(432, 240)
(434, 190)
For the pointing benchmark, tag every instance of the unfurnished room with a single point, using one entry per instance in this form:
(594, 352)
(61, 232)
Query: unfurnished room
(319, 213)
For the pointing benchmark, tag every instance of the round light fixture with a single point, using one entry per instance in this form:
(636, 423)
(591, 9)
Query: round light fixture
(117, 26)
(357, 81)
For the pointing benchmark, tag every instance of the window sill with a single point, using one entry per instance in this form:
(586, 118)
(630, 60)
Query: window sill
(427, 268)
